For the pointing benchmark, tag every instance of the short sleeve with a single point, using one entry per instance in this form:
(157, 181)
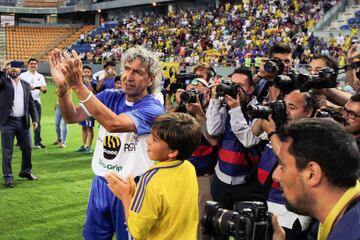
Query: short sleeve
(143, 117)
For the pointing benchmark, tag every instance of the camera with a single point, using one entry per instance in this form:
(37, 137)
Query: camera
(274, 66)
(277, 109)
(330, 113)
(183, 76)
(249, 221)
(327, 78)
(182, 79)
(190, 96)
(227, 89)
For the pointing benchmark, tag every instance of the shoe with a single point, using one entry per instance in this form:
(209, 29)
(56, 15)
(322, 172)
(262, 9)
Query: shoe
(57, 142)
(29, 176)
(81, 149)
(88, 150)
(61, 145)
(9, 182)
(39, 145)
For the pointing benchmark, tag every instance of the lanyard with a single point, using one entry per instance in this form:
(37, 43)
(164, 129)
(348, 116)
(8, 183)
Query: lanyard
(324, 229)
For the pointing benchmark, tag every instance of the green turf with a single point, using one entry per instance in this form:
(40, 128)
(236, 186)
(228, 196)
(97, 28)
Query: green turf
(54, 206)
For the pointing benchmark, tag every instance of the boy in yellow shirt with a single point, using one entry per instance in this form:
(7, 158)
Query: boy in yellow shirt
(164, 204)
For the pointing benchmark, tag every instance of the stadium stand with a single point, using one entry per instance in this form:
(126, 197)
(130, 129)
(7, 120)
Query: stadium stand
(43, 3)
(24, 42)
(219, 36)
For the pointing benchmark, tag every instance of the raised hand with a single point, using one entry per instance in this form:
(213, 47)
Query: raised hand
(57, 68)
(74, 68)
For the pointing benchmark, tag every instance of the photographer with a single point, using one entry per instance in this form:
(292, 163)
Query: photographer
(238, 153)
(279, 62)
(298, 105)
(203, 71)
(328, 97)
(351, 114)
(318, 171)
(200, 70)
(194, 100)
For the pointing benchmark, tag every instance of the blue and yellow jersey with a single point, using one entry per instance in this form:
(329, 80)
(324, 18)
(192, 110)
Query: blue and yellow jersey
(165, 204)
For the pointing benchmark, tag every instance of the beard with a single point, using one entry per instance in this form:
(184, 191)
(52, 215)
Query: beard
(14, 75)
(300, 205)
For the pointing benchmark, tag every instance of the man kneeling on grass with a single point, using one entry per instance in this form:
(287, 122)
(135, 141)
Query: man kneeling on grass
(164, 204)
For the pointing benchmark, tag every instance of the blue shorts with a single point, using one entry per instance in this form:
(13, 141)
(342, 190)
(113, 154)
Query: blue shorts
(105, 214)
(88, 123)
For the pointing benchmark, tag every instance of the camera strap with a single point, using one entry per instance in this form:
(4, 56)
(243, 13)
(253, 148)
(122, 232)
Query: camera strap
(265, 189)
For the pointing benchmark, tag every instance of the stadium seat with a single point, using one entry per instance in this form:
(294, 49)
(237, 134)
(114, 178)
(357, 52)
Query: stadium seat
(24, 42)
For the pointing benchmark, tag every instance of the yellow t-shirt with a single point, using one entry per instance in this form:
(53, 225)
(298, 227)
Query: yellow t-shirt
(165, 204)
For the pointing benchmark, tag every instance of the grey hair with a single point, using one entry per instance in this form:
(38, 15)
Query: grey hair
(151, 62)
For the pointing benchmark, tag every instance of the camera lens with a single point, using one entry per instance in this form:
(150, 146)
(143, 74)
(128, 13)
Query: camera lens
(188, 97)
(259, 111)
(270, 67)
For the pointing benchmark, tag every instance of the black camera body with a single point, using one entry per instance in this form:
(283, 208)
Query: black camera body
(274, 66)
(249, 221)
(190, 96)
(180, 82)
(227, 89)
(182, 77)
(327, 78)
(277, 109)
(330, 113)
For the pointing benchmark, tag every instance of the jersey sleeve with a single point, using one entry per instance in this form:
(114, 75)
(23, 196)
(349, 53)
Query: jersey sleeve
(145, 209)
(144, 115)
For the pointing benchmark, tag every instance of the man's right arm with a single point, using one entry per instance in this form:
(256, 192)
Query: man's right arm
(66, 71)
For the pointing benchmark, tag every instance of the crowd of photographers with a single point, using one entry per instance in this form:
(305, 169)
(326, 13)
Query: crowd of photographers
(272, 142)
(243, 123)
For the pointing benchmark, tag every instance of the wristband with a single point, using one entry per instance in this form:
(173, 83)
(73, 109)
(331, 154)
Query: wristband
(270, 134)
(85, 110)
(87, 98)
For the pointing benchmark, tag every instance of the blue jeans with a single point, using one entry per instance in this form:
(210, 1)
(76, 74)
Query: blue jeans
(60, 125)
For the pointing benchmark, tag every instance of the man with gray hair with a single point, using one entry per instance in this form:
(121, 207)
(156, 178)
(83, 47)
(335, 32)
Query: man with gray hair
(125, 118)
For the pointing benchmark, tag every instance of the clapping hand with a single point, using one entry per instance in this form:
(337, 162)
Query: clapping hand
(66, 69)
(123, 188)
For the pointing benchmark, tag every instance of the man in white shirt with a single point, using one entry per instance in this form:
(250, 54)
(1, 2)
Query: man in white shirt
(38, 86)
